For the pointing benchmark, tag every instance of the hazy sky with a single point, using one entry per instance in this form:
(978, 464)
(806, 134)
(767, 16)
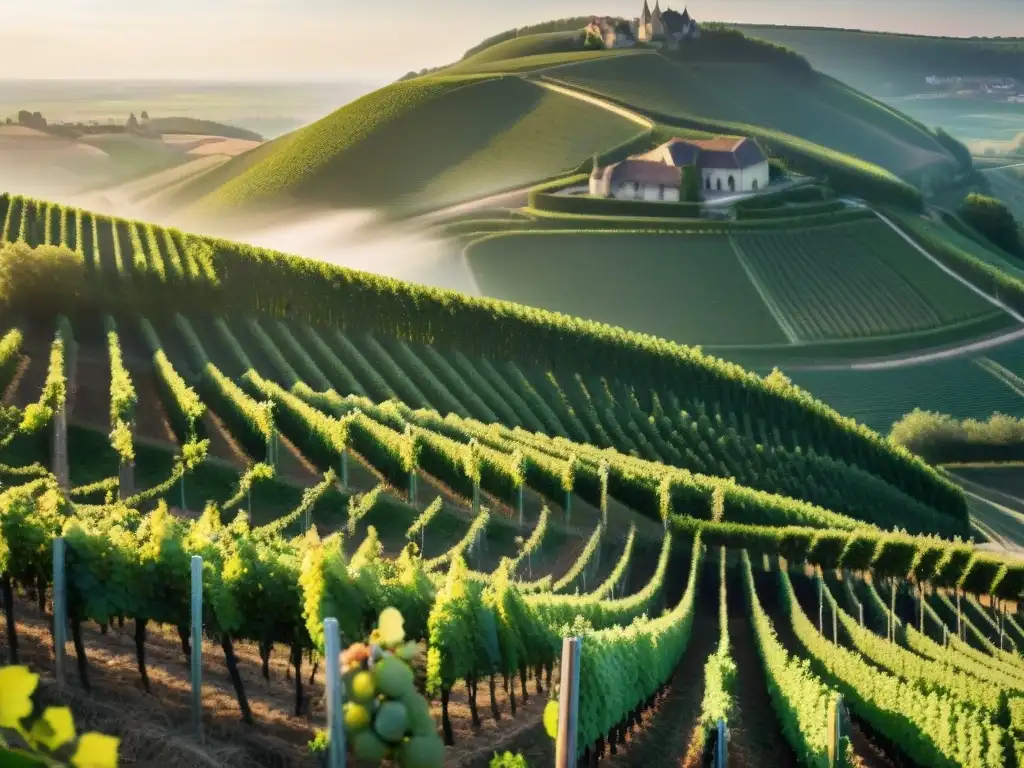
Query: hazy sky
(328, 39)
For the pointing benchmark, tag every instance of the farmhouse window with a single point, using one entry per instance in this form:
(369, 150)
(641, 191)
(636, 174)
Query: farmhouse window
(661, 191)
(732, 184)
(753, 185)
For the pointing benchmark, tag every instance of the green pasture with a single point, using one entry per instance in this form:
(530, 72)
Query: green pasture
(685, 287)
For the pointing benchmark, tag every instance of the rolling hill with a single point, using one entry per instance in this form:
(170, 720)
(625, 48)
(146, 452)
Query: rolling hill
(481, 126)
(420, 144)
(816, 109)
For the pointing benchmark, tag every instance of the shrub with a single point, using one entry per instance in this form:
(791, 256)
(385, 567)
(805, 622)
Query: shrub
(603, 206)
(991, 218)
(940, 438)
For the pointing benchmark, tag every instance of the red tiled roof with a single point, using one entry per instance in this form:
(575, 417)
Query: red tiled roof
(643, 172)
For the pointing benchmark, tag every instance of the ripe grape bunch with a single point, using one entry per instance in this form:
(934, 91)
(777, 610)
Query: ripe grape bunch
(386, 718)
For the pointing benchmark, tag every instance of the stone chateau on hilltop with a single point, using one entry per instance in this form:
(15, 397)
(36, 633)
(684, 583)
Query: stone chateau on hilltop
(668, 28)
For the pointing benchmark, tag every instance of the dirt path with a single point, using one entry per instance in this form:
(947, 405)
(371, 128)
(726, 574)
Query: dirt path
(572, 93)
(755, 735)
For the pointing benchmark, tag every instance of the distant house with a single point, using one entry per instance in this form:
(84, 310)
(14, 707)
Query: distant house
(724, 165)
(668, 27)
(614, 33)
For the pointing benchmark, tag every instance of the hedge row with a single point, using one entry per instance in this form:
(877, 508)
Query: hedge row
(942, 563)
(803, 193)
(607, 206)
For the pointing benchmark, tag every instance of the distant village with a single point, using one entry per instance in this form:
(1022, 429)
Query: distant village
(997, 88)
(140, 126)
(660, 28)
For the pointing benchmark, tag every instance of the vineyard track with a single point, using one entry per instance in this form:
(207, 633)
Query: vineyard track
(868, 753)
(755, 729)
(279, 738)
(669, 732)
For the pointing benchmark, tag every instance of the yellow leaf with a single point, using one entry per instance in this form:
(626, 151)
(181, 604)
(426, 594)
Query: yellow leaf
(16, 687)
(391, 627)
(96, 750)
(54, 729)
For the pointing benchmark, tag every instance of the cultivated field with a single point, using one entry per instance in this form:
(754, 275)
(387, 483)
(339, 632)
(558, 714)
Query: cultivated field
(961, 387)
(552, 469)
(854, 280)
(840, 281)
(689, 288)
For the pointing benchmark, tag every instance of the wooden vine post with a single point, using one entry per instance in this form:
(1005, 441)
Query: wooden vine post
(835, 732)
(960, 623)
(335, 694)
(60, 448)
(566, 748)
(821, 604)
(920, 603)
(892, 610)
(196, 655)
(519, 502)
(344, 469)
(60, 610)
(604, 492)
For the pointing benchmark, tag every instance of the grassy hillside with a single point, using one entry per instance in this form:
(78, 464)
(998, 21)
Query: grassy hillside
(832, 281)
(132, 268)
(198, 127)
(813, 108)
(420, 144)
(519, 47)
(882, 62)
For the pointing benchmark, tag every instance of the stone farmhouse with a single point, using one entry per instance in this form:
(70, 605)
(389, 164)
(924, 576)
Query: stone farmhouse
(724, 165)
(667, 28)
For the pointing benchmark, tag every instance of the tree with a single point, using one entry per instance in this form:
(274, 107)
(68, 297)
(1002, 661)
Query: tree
(144, 115)
(689, 189)
(992, 219)
(776, 169)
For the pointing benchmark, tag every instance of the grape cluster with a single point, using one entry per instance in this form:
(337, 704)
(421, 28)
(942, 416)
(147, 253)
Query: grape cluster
(385, 716)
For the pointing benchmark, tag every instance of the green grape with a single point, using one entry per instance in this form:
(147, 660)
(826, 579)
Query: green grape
(421, 722)
(357, 717)
(362, 686)
(394, 677)
(391, 721)
(422, 752)
(551, 718)
(368, 746)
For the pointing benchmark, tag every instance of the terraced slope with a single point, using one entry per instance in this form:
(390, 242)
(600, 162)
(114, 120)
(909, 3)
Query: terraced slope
(668, 404)
(818, 109)
(419, 144)
(847, 280)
